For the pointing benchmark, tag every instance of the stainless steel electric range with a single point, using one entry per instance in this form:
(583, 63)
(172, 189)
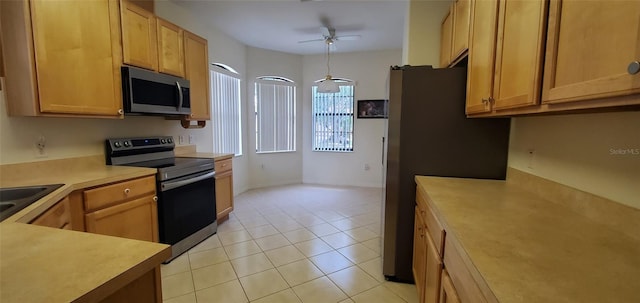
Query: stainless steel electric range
(185, 188)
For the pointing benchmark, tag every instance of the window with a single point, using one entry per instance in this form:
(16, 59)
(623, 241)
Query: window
(275, 109)
(333, 119)
(225, 110)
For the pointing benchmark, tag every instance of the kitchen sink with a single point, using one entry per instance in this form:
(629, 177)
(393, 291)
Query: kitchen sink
(14, 199)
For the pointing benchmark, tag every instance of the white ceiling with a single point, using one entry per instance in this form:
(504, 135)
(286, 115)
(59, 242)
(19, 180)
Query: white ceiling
(279, 24)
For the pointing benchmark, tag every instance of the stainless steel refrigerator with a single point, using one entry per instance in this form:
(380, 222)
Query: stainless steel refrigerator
(429, 134)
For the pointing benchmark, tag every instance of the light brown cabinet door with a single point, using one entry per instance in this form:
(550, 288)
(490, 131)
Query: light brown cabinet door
(78, 56)
(196, 55)
(139, 38)
(419, 254)
(521, 33)
(136, 219)
(58, 216)
(433, 271)
(224, 193)
(482, 51)
(448, 292)
(446, 32)
(170, 48)
(460, 42)
(589, 49)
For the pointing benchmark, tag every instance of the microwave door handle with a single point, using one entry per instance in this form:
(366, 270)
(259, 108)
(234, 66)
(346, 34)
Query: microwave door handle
(180, 97)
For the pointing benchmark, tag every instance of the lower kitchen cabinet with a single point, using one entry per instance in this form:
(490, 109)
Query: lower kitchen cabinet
(427, 258)
(147, 288)
(419, 254)
(58, 216)
(448, 293)
(224, 189)
(127, 209)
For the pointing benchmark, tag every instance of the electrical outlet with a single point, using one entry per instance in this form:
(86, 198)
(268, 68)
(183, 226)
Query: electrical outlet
(181, 139)
(40, 147)
(192, 139)
(366, 166)
(531, 157)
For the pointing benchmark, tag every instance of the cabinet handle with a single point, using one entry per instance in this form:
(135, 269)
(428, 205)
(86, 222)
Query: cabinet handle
(488, 101)
(127, 191)
(155, 198)
(120, 112)
(633, 68)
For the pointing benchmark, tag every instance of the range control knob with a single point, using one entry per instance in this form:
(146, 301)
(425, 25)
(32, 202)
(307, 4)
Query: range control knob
(127, 144)
(117, 144)
(170, 140)
(163, 141)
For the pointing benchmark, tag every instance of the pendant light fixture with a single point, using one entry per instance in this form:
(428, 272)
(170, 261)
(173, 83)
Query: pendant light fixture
(328, 85)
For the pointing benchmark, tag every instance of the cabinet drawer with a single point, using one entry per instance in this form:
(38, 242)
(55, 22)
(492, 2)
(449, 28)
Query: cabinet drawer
(435, 229)
(104, 196)
(58, 216)
(223, 165)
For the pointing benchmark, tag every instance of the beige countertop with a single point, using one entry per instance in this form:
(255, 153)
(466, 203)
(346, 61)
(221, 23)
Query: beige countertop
(41, 264)
(76, 173)
(528, 249)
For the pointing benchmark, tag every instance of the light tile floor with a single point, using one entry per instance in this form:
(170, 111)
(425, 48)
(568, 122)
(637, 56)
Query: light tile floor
(297, 243)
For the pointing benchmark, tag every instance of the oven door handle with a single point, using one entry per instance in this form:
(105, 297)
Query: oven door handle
(175, 184)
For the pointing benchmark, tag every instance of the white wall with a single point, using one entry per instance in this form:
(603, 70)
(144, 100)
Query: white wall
(421, 45)
(596, 153)
(268, 169)
(370, 70)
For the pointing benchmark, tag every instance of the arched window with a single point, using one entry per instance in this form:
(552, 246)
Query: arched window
(333, 117)
(275, 114)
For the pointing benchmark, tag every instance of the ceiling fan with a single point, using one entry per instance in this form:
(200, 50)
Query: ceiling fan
(329, 36)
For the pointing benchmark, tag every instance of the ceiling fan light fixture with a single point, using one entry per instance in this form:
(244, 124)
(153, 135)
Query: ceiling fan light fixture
(328, 86)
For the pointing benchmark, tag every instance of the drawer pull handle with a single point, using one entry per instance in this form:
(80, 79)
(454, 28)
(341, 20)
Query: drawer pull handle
(634, 68)
(127, 191)
(155, 198)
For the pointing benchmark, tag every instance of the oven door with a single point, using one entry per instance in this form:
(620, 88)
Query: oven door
(186, 205)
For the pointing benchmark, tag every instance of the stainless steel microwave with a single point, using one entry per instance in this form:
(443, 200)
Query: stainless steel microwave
(150, 93)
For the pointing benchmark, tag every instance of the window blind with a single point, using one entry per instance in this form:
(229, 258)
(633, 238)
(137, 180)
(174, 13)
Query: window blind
(225, 110)
(275, 114)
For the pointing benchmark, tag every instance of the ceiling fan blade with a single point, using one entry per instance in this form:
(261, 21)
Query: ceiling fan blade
(327, 32)
(348, 37)
(312, 40)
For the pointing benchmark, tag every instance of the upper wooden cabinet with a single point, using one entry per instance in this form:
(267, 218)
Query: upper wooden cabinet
(446, 37)
(170, 48)
(196, 55)
(482, 50)
(139, 38)
(460, 39)
(519, 55)
(62, 57)
(591, 50)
